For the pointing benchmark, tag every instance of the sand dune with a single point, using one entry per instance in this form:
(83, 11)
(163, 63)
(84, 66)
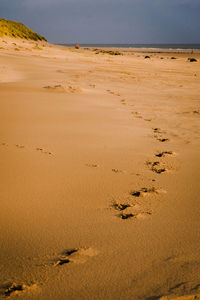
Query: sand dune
(100, 160)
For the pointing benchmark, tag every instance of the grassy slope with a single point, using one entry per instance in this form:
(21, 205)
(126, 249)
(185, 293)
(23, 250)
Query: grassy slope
(18, 30)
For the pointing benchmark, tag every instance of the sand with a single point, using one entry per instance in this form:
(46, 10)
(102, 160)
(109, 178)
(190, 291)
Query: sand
(100, 168)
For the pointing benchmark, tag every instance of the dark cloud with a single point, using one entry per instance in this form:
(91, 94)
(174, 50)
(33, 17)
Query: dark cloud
(109, 21)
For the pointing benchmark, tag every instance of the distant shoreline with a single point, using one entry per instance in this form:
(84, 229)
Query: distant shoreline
(139, 50)
(152, 47)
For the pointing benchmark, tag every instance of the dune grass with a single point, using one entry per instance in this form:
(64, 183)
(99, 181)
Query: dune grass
(18, 30)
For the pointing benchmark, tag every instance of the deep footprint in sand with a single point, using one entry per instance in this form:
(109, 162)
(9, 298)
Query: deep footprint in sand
(162, 140)
(121, 206)
(125, 216)
(75, 255)
(14, 288)
(140, 215)
(164, 153)
(65, 259)
(145, 191)
(156, 167)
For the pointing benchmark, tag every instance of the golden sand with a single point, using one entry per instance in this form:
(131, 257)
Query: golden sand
(100, 168)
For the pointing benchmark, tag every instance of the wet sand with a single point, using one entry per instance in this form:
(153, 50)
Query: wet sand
(100, 168)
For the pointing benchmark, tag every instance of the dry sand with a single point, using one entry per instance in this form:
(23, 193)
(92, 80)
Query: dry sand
(100, 168)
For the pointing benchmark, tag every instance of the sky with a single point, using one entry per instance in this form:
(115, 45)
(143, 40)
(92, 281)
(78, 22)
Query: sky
(108, 21)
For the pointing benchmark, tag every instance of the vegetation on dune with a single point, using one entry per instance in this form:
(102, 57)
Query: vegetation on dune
(18, 30)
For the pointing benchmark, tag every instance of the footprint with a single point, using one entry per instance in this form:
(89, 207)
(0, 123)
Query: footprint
(55, 87)
(123, 101)
(162, 140)
(14, 288)
(135, 113)
(20, 146)
(73, 90)
(121, 206)
(159, 171)
(158, 130)
(60, 71)
(155, 167)
(164, 153)
(43, 151)
(145, 191)
(113, 93)
(61, 88)
(75, 255)
(92, 165)
(125, 216)
(196, 112)
(138, 215)
(117, 171)
(65, 259)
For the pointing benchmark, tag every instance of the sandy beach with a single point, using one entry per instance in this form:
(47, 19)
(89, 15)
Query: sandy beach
(100, 169)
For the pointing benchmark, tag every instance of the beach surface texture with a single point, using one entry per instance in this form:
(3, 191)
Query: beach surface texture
(100, 171)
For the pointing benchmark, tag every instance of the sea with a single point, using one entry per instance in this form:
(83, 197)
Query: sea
(142, 46)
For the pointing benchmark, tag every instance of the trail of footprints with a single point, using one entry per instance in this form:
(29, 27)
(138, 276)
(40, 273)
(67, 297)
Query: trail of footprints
(41, 150)
(68, 256)
(127, 210)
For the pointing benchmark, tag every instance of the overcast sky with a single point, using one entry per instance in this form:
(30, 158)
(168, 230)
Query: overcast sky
(108, 21)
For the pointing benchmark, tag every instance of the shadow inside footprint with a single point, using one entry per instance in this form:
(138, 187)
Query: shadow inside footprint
(159, 171)
(126, 216)
(65, 258)
(75, 255)
(14, 288)
(62, 261)
(162, 154)
(69, 252)
(158, 130)
(136, 194)
(162, 140)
